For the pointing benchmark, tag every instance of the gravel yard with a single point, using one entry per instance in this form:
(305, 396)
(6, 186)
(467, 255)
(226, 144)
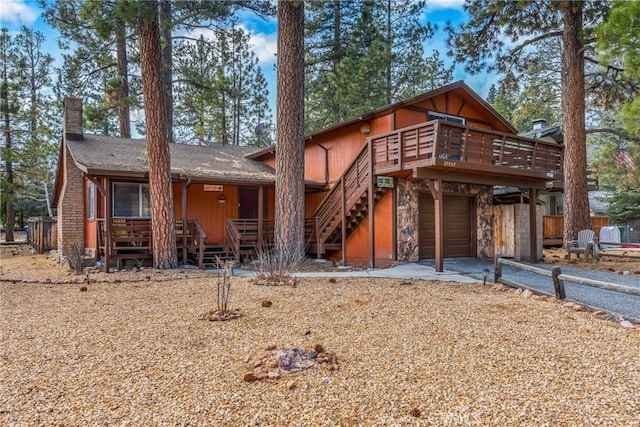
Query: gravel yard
(132, 350)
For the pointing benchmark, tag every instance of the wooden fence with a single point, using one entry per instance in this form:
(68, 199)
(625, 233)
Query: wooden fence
(553, 228)
(43, 234)
(558, 279)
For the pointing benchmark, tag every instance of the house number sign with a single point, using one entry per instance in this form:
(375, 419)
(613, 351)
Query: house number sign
(385, 181)
(213, 187)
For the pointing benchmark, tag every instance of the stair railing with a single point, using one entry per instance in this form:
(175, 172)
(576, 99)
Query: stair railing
(344, 194)
(232, 237)
(199, 237)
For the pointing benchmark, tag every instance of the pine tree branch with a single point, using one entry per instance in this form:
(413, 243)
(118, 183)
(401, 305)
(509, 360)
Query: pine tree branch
(617, 132)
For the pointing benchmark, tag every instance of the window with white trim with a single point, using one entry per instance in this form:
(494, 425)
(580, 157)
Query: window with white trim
(131, 200)
(91, 201)
(446, 117)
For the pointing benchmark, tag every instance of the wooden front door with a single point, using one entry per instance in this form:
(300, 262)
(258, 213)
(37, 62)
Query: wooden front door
(459, 227)
(247, 203)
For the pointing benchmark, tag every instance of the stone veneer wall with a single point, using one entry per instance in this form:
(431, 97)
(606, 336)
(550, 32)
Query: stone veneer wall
(70, 220)
(407, 211)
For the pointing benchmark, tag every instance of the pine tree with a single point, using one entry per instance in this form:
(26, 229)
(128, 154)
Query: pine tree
(479, 42)
(26, 108)
(289, 198)
(220, 90)
(363, 55)
(101, 33)
(162, 213)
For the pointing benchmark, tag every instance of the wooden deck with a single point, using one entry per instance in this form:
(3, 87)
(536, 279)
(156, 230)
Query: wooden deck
(459, 148)
(132, 239)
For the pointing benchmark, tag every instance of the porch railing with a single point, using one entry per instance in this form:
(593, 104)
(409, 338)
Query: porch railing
(247, 236)
(132, 238)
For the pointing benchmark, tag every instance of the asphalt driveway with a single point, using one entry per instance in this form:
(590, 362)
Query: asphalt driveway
(610, 301)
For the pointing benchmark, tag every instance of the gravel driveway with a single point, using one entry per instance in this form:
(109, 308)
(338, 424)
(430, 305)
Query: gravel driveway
(134, 352)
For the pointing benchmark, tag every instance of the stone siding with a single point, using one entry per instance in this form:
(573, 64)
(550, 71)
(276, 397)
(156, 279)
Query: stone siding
(407, 211)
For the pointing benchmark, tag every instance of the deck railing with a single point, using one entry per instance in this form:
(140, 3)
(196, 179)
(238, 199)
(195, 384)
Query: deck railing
(438, 143)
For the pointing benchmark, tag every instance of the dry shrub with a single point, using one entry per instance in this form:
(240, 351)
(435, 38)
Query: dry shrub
(276, 268)
(74, 254)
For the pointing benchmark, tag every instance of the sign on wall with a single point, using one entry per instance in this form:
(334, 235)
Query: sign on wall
(213, 187)
(385, 181)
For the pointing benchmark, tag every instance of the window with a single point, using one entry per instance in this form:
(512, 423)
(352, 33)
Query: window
(447, 118)
(131, 200)
(91, 201)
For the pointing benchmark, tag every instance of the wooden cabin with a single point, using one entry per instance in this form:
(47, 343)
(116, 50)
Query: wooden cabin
(410, 181)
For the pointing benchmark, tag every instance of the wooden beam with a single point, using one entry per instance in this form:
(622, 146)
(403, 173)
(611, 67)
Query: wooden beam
(344, 222)
(185, 216)
(260, 217)
(394, 222)
(482, 179)
(372, 214)
(439, 211)
(460, 109)
(107, 224)
(533, 231)
(95, 181)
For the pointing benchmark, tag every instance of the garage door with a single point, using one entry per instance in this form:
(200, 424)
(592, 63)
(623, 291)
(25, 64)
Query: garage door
(459, 220)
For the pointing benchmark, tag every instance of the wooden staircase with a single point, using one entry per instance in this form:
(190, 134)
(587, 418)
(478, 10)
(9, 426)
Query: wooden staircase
(213, 252)
(347, 204)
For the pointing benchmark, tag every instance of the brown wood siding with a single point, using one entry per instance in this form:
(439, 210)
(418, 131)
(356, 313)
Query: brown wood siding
(459, 220)
(358, 242)
(312, 200)
(204, 207)
(406, 118)
(342, 146)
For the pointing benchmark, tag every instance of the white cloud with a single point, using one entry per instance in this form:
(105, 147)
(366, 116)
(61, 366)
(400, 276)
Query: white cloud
(444, 4)
(18, 11)
(262, 44)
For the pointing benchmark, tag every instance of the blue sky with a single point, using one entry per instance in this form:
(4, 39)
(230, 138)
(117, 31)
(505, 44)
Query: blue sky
(14, 13)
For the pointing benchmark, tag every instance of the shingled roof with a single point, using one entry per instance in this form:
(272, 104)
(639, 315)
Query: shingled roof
(102, 155)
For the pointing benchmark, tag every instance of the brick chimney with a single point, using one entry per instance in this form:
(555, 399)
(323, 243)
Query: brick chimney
(73, 118)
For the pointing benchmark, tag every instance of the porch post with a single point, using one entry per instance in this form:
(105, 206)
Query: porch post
(107, 224)
(344, 223)
(439, 223)
(371, 208)
(260, 217)
(533, 222)
(185, 216)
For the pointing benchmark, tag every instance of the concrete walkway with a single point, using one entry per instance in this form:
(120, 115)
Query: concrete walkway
(472, 271)
(402, 271)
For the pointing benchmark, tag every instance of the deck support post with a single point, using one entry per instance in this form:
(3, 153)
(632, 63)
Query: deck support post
(185, 189)
(533, 223)
(438, 200)
(260, 218)
(371, 209)
(107, 224)
(343, 239)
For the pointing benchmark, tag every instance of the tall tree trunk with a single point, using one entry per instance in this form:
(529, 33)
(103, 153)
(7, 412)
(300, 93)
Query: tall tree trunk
(162, 216)
(123, 74)
(289, 212)
(9, 196)
(167, 63)
(576, 204)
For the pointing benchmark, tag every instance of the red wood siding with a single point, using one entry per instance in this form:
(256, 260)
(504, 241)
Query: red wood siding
(358, 242)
